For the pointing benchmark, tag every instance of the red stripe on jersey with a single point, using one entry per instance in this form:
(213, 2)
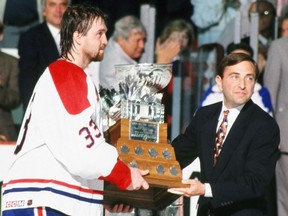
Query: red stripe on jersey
(40, 211)
(70, 82)
(47, 181)
(120, 175)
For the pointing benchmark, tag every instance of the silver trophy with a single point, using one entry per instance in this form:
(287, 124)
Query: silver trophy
(140, 134)
(138, 97)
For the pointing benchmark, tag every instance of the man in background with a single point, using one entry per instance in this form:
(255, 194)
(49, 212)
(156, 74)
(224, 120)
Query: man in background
(39, 46)
(276, 79)
(18, 16)
(126, 46)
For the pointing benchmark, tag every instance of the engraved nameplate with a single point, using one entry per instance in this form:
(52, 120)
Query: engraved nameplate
(145, 131)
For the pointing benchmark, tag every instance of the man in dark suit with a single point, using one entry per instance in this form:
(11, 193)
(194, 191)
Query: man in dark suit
(39, 46)
(235, 173)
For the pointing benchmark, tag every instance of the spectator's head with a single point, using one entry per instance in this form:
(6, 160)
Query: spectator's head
(182, 31)
(130, 34)
(83, 31)
(53, 11)
(240, 48)
(267, 13)
(284, 26)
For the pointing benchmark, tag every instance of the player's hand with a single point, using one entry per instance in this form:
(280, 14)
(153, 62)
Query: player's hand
(119, 208)
(138, 181)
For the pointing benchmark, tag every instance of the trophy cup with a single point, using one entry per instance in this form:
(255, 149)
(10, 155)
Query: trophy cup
(140, 134)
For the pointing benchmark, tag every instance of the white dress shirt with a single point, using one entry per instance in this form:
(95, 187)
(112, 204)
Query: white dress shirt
(56, 35)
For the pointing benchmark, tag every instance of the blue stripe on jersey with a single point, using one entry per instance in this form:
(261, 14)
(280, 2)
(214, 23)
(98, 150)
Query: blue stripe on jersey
(59, 192)
(30, 212)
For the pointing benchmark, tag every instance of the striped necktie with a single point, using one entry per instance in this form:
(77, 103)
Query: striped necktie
(220, 136)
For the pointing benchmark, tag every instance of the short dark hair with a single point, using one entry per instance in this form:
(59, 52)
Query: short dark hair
(266, 3)
(233, 59)
(242, 46)
(78, 17)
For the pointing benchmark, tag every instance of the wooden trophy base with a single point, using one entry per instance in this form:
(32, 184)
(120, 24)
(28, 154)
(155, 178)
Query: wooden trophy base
(155, 198)
(158, 157)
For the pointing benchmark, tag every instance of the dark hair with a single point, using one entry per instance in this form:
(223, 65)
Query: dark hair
(78, 17)
(242, 46)
(264, 2)
(233, 59)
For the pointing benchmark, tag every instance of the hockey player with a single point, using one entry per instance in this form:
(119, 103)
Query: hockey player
(61, 157)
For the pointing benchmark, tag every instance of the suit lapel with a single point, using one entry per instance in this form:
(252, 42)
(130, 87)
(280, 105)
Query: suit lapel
(208, 139)
(48, 42)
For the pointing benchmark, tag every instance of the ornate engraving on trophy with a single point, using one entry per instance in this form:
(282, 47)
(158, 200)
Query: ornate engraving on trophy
(167, 154)
(173, 171)
(124, 149)
(152, 153)
(160, 169)
(139, 151)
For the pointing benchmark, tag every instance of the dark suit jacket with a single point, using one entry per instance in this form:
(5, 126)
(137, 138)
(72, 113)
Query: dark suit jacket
(245, 166)
(37, 49)
(9, 94)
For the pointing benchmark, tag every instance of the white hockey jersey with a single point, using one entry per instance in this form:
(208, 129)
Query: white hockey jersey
(61, 156)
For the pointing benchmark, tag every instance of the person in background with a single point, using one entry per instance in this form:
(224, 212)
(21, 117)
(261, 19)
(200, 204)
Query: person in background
(267, 14)
(261, 95)
(212, 18)
(18, 16)
(61, 158)
(276, 79)
(39, 46)
(126, 46)
(183, 32)
(9, 93)
(284, 26)
(236, 142)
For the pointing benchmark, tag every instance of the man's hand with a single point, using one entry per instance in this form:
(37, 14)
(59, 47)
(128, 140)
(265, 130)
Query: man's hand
(137, 179)
(196, 188)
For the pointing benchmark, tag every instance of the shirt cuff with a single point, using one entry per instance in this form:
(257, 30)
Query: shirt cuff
(208, 190)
